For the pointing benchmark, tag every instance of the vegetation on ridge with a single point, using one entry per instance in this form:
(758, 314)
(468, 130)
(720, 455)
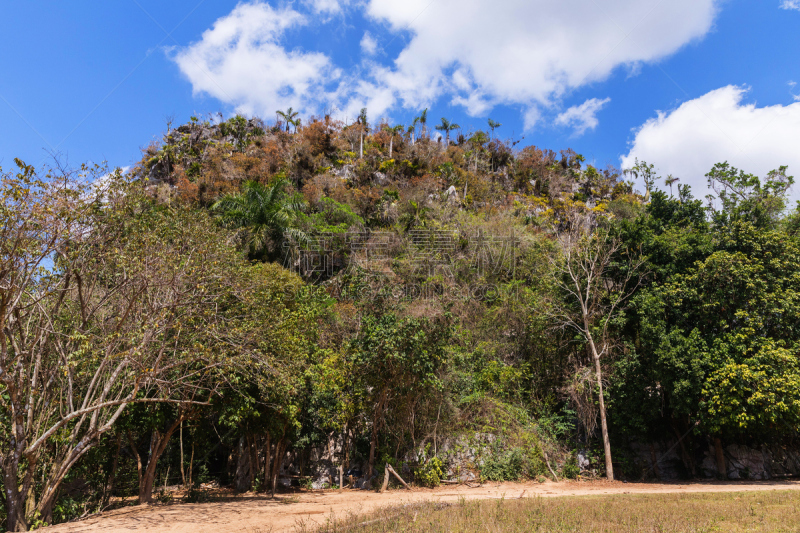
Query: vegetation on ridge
(254, 296)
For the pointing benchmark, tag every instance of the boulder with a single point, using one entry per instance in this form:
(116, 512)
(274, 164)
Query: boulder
(381, 179)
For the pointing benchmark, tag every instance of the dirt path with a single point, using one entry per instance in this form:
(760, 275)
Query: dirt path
(252, 513)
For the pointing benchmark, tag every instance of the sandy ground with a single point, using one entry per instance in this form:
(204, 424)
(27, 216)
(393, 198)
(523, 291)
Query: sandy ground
(252, 513)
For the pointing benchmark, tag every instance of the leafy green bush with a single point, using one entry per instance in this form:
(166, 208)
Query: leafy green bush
(504, 467)
(430, 473)
(570, 470)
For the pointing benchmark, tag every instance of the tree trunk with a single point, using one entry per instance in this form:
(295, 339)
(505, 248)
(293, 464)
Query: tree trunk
(373, 442)
(603, 423)
(720, 456)
(385, 479)
(280, 450)
(686, 457)
(654, 459)
(183, 472)
(113, 475)
(191, 463)
(243, 467)
(138, 457)
(391, 143)
(361, 146)
(158, 445)
(15, 502)
(267, 464)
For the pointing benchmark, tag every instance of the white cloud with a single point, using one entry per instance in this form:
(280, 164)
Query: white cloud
(791, 4)
(325, 7)
(528, 51)
(368, 44)
(241, 61)
(719, 127)
(582, 117)
(476, 54)
(531, 117)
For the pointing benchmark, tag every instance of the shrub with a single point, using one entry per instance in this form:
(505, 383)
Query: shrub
(430, 473)
(506, 467)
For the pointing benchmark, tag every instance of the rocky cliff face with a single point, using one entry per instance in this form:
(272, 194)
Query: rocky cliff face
(664, 460)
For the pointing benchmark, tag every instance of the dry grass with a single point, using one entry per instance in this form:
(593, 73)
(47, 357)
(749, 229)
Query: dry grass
(658, 513)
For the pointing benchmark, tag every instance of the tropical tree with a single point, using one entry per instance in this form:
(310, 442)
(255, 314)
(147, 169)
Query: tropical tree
(446, 126)
(363, 127)
(393, 132)
(641, 169)
(493, 126)
(289, 117)
(423, 119)
(265, 214)
(671, 180)
(412, 130)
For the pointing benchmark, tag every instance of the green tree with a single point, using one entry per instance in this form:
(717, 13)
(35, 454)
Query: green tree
(446, 127)
(363, 127)
(394, 359)
(289, 116)
(493, 126)
(266, 214)
(744, 197)
(670, 181)
(393, 132)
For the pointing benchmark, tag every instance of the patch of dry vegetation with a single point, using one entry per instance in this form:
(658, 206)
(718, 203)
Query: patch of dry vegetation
(662, 513)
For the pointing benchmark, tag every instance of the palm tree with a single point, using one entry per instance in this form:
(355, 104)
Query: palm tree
(288, 116)
(265, 213)
(446, 126)
(670, 180)
(423, 119)
(363, 126)
(412, 129)
(393, 132)
(493, 126)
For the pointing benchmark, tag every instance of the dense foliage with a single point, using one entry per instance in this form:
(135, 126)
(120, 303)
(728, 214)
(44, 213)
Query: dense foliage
(252, 297)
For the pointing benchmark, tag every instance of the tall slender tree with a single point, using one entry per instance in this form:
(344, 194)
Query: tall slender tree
(446, 127)
(671, 180)
(423, 119)
(288, 116)
(493, 126)
(393, 132)
(363, 126)
(593, 291)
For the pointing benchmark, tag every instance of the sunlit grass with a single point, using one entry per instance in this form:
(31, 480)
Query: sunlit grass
(659, 513)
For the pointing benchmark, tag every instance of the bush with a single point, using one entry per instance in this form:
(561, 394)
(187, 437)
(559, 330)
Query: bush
(430, 473)
(570, 470)
(505, 467)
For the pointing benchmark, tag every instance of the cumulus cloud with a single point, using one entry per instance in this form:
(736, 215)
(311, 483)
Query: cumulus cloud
(528, 51)
(368, 44)
(716, 127)
(242, 62)
(477, 54)
(325, 7)
(791, 4)
(582, 117)
(531, 118)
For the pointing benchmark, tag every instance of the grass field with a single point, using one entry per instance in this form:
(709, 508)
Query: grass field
(658, 513)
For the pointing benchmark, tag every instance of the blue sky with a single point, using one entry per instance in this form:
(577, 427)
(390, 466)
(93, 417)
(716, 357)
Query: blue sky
(680, 83)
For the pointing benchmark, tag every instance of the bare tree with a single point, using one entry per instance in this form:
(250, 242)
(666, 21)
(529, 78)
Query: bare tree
(104, 298)
(596, 276)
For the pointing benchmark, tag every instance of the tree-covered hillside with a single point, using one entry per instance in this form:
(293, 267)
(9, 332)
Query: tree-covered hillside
(254, 303)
